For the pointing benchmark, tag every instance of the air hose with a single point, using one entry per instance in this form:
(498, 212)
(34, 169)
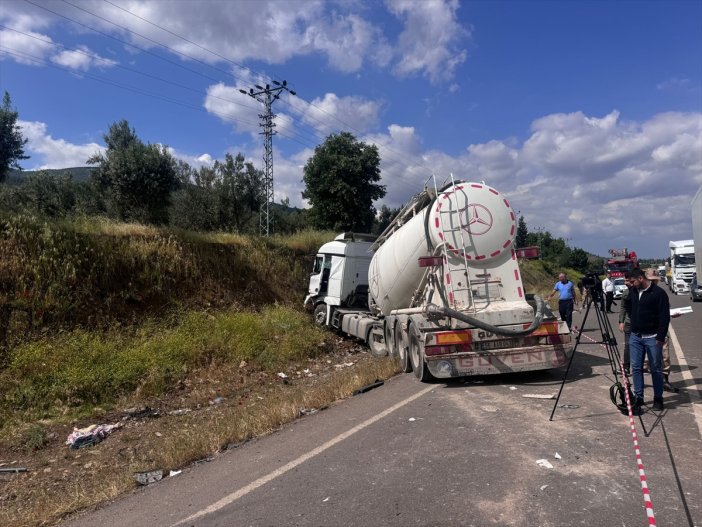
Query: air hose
(538, 319)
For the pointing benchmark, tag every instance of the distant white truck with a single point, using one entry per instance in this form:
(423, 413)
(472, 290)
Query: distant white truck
(696, 286)
(682, 266)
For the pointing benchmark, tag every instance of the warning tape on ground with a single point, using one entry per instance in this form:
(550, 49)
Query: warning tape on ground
(635, 437)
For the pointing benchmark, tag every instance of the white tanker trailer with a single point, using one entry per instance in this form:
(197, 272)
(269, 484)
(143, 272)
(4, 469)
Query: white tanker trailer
(440, 289)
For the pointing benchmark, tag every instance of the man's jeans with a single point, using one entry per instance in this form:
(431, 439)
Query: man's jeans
(638, 347)
(565, 309)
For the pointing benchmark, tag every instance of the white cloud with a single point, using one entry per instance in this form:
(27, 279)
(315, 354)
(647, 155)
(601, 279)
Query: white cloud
(273, 32)
(81, 59)
(332, 113)
(429, 41)
(55, 153)
(25, 48)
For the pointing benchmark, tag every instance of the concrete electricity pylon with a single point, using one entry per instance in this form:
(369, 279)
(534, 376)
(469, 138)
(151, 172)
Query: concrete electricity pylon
(266, 96)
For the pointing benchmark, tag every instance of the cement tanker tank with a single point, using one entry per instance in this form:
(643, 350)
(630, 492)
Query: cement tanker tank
(473, 225)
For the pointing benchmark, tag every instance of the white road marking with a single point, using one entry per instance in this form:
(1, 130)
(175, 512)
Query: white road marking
(685, 373)
(309, 455)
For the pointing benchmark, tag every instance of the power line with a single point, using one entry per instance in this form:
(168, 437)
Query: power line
(140, 91)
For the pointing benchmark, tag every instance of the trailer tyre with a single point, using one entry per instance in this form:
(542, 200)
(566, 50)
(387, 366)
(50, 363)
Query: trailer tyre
(320, 314)
(416, 354)
(389, 329)
(376, 342)
(402, 347)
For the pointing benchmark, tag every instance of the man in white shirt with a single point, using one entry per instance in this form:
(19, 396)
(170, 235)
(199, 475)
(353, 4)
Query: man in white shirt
(608, 290)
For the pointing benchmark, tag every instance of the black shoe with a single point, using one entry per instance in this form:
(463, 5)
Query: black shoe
(637, 408)
(667, 387)
(658, 404)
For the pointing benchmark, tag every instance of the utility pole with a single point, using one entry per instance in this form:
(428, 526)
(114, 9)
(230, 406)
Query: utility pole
(266, 96)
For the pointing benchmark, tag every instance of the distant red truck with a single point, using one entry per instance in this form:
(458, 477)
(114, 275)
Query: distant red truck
(528, 253)
(621, 261)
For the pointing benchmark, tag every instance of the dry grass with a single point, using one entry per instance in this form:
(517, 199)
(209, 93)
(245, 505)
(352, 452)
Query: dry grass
(62, 481)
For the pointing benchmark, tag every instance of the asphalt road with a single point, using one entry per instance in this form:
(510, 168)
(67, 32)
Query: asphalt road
(458, 453)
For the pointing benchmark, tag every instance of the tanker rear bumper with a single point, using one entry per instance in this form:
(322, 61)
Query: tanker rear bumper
(500, 361)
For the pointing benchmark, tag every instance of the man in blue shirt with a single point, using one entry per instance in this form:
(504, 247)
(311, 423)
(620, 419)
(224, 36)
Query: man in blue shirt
(567, 298)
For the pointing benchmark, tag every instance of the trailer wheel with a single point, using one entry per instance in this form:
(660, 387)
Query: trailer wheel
(416, 354)
(401, 344)
(320, 314)
(376, 342)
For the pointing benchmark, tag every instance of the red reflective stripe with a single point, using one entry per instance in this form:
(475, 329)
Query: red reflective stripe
(494, 192)
(519, 290)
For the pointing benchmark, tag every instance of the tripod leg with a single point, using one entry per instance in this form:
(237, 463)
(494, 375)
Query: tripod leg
(570, 361)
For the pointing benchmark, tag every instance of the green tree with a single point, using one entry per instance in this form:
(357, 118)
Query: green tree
(384, 218)
(522, 232)
(579, 260)
(341, 183)
(138, 178)
(11, 140)
(239, 190)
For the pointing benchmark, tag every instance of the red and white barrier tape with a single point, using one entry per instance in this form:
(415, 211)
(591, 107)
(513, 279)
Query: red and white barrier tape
(635, 437)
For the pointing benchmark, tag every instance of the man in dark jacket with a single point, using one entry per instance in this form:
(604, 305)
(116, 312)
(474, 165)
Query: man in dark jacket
(649, 310)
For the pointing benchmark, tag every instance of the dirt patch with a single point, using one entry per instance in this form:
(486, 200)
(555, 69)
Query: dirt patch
(212, 410)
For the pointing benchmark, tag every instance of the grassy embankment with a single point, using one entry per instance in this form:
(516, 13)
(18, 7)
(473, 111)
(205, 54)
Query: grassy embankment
(106, 316)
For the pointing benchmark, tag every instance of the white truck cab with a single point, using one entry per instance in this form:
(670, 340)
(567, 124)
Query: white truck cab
(340, 275)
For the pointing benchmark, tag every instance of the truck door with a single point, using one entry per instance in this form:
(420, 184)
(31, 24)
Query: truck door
(319, 278)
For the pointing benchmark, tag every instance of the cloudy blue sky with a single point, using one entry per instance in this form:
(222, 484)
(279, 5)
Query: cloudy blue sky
(586, 114)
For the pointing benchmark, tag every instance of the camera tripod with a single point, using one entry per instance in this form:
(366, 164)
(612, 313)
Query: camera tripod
(618, 392)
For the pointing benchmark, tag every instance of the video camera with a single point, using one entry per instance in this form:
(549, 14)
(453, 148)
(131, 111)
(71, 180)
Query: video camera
(592, 280)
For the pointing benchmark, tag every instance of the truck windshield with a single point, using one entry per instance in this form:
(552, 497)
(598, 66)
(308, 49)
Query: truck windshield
(684, 259)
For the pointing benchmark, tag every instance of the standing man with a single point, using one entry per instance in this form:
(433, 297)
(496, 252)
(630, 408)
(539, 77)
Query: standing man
(566, 298)
(608, 290)
(649, 310)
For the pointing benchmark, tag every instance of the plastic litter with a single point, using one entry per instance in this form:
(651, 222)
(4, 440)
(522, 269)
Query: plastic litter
(174, 473)
(557, 455)
(411, 419)
(539, 396)
(544, 463)
(281, 375)
(180, 411)
(147, 478)
(90, 435)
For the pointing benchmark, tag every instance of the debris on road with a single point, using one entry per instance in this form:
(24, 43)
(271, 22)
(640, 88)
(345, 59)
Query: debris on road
(411, 419)
(369, 387)
(180, 411)
(544, 463)
(90, 435)
(13, 470)
(142, 411)
(539, 396)
(569, 406)
(281, 375)
(174, 473)
(147, 478)
(557, 455)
